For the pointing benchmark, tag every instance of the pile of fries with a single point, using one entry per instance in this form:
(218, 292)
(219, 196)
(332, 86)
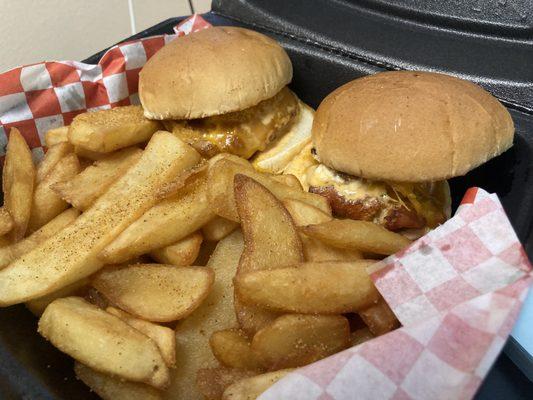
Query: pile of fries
(165, 275)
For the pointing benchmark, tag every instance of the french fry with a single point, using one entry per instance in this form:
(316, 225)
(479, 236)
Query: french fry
(315, 288)
(155, 292)
(72, 254)
(270, 241)
(88, 154)
(357, 235)
(232, 348)
(6, 222)
(251, 388)
(193, 333)
(211, 382)
(360, 336)
(218, 228)
(112, 388)
(37, 306)
(182, 254)
(289, 180)
(164, 224)
(82, 190)
(46, 203)
(221, 173)
(294, 340)
(103, 342)
(18, 178)
(109, 130)
(379, 318)
(54, 154)
(304, 214)
(55, 136)
(163, 336)
(15, 250)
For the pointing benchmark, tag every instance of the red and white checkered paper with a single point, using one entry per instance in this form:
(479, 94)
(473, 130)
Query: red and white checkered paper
(38, 97)
(457, 290)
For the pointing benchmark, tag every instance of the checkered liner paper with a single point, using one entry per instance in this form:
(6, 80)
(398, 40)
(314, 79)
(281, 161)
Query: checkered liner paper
(457, 291)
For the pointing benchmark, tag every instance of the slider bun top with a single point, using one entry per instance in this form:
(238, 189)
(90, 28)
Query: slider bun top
(410, 126)
(212, 72)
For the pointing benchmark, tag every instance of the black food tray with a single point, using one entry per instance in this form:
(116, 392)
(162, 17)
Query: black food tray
(330, 43)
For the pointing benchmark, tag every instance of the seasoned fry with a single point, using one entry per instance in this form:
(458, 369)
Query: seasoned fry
(103, 342)
(6, 222)
(357, 235)
(46, 203)
(164, 224)
(221, 172)
(18, 178)
(218, 228)
(232, 348)
(289, 180)
(109, 130)
(294, 340)
(54, 154)
(15, 250)
(182, 254)
(83, 189)
(304, 214)
(379, 318)
(71, 254)
(88, 154)
(164, 337)
(193, 333)
(251, 388)
(315, 288)
(270, 241)
(211, 382)
(360, 336)
(56, 136)
(37, 306)
(155, 292)
(112, 388)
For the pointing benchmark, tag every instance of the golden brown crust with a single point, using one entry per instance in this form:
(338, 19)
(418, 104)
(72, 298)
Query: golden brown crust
(410, 127)
(212, 72)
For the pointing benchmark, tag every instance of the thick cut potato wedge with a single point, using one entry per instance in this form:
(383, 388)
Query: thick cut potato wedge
(72, 254)
(112, 388)
(218, 228)
(89, 155)
(357, 235)
(294, 340)
(109, 130)
(46, 203)
(6, 222)
(275, 158)
(270, 241)
(103, 342)
(289, 180)
(18, 178)
(221, 172)
(251, 388)
(212, 382)
(360, 335)
(232, 348)
(15, 250)
(164, 224)
(56, 136)
(193, 333)
(379, 318)
(83, 189)
(304, 214)
(54, 154)
(317, 251)
(310, 288)
(163, 336)
(155, 292)
(182, 254)
(37, 306)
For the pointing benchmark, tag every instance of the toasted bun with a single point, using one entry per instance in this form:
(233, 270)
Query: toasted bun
(212, 72)
(410, 126)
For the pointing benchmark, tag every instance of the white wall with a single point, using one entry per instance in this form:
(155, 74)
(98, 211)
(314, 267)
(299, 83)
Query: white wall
(33, 31)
